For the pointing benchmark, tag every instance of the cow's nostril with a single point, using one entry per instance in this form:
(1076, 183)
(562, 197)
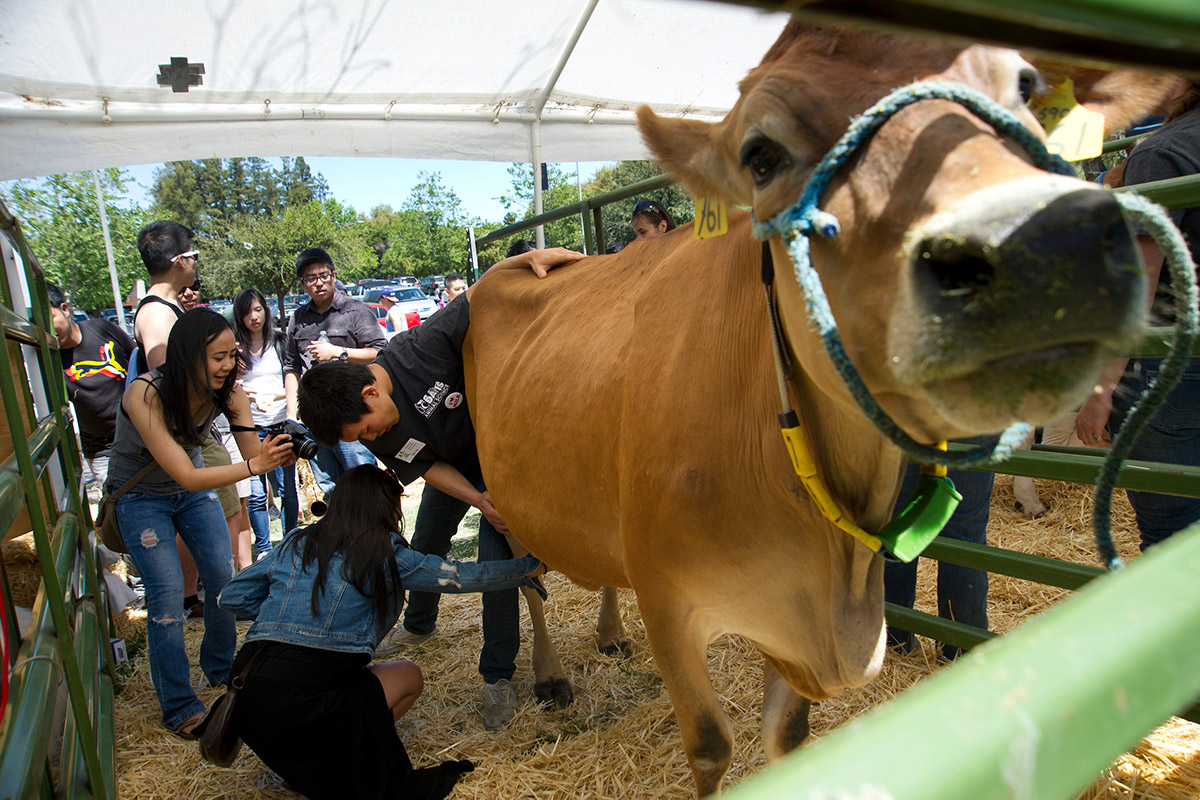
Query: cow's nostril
(959, 277)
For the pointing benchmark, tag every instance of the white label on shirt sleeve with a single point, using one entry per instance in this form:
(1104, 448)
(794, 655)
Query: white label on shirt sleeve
(410, 450)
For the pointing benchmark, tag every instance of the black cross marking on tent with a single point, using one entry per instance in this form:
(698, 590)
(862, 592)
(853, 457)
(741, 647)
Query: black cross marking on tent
(179, 74)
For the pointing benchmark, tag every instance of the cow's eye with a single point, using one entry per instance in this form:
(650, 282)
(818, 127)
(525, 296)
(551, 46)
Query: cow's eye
(763, 158)
(1029, 84)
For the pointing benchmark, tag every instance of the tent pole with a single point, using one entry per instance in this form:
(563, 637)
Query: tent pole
(535, 133)
(543, 98)
(118, 301)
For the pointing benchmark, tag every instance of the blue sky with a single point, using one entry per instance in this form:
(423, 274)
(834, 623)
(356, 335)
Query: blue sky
(367, 182)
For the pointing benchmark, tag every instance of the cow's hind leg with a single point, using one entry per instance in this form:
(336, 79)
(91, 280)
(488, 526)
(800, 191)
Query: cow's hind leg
(550, 680)
(785, 715)
(681, 651)
(610, 631)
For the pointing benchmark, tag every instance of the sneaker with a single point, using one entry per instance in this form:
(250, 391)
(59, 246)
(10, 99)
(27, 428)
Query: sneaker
(499, 704)
(401, 637)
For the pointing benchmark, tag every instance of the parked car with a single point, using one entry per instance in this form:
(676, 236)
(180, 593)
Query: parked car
(79, 316)
(409, 299)
(406, 280)
(362, 287)
(389, 330)
(430, 281)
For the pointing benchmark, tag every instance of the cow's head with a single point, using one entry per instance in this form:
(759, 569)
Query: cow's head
(970, 288)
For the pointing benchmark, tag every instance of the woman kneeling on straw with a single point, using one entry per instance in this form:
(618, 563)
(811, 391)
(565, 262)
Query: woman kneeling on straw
(311, 708)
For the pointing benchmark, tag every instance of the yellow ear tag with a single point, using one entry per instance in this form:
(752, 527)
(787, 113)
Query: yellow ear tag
(1072, 131)
(712, 218)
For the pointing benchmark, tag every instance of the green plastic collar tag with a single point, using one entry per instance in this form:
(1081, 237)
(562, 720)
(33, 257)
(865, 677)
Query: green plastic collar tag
(921, 519)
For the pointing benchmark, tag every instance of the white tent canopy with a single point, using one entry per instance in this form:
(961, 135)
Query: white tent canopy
(467, 79)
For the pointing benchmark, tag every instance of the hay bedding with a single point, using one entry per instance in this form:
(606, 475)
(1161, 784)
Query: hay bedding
(620, 739)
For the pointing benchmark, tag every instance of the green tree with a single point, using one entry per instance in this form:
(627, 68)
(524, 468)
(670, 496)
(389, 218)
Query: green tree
(519, 200)
(261, 251)
(615, 217)
(62, 221)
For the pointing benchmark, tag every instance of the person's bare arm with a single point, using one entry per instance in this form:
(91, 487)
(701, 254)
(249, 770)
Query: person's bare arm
(145, 411)
(291, 383)
(445, 477)
(540, 261)
(153, 328)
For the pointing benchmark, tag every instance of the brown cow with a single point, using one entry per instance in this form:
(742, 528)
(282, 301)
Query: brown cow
(626, 406)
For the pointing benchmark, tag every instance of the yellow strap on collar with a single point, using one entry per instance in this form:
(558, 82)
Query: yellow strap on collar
(802, 462)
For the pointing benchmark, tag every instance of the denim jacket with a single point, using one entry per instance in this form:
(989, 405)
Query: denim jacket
(277, 592)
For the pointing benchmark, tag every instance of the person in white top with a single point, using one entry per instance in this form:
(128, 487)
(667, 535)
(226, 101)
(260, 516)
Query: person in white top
(395, 314)
(262, 380)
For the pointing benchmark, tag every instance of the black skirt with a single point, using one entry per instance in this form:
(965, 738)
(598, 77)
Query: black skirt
(321, 721)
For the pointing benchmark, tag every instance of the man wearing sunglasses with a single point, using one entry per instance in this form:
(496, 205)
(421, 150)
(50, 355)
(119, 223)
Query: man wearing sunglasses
(171, 261)
(329, 327)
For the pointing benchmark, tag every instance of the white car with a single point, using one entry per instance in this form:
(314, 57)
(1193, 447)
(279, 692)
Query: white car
(409, 298)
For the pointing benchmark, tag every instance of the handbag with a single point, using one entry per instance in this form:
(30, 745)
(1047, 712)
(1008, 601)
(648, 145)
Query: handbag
(219, 740)
(106, 513)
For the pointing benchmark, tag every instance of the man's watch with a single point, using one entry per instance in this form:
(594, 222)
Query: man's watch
(344, 355)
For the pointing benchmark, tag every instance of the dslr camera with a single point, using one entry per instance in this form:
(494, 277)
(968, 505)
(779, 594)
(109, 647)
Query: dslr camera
(302, 445)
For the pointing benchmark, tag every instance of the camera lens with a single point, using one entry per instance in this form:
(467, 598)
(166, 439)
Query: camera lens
(305, 448)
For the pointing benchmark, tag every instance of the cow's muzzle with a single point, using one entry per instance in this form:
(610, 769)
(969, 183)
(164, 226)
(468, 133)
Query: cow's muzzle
(1031, 283)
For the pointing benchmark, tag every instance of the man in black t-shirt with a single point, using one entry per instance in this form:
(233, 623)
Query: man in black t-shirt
(95, 358)
(409, 408)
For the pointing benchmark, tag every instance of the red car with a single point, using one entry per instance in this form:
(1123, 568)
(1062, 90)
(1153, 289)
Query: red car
(411, 317)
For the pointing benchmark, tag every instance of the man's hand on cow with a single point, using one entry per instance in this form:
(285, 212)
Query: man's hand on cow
(324, 351)
(1091, 423)
(542, 261)
(492, 515)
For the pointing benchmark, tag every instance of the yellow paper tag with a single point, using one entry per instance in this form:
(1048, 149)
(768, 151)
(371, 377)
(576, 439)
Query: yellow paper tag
(712, 218)
(1072, 131)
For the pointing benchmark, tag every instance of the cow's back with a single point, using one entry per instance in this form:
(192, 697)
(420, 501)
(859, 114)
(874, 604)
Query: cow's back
(640, 368)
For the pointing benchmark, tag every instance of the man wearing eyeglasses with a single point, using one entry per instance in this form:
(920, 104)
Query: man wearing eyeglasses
(331, 326)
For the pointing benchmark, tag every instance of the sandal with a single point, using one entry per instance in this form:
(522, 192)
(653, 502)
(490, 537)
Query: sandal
(187, 730)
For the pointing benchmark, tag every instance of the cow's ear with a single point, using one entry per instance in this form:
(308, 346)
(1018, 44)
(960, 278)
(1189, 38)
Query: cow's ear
(1123, 96)
(692, 151)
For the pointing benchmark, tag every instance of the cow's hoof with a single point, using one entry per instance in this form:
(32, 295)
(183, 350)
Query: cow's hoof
(1033, 512)
(621, 647)
(556, 691)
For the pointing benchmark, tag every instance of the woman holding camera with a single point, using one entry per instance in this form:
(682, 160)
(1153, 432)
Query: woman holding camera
(164, 418)
(262, 380)
(311, 708)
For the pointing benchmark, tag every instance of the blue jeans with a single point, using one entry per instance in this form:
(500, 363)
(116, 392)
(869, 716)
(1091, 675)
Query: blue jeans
(1172, 436)
(961, 591)
(437, 521)
(330, 462)
(148, 525)
(260, 522)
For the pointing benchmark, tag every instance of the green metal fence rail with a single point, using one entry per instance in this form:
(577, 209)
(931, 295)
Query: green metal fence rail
(1164, 34)
(67, 640)
(1037, 713)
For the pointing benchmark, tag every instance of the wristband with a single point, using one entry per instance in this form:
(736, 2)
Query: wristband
(249, 468)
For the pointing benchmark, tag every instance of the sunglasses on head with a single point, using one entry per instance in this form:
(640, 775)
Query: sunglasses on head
(192, 254)
(647, 205)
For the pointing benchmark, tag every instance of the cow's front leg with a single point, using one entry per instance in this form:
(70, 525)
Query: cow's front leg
(610, 631)
(680, 651)
(550, 680)
(550, 684)
(785, 715)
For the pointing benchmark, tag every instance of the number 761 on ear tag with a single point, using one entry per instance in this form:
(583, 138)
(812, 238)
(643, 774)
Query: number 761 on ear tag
(712, 218)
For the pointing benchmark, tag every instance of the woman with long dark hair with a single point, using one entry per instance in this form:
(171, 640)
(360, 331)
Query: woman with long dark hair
(262, 379)
(310, 707)
(165, 417)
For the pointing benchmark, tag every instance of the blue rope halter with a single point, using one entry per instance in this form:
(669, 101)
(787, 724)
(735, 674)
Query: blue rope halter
(798, 222)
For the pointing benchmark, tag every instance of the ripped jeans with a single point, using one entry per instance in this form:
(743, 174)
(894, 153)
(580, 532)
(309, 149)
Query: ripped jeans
(148, 525)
